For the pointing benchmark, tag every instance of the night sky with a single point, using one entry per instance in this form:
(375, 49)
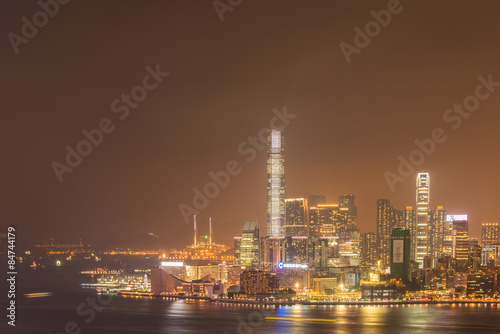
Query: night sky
(352, 120)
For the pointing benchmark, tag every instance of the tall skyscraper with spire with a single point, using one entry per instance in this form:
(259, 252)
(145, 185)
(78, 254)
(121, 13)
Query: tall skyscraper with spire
(275, 184)
(423, 198)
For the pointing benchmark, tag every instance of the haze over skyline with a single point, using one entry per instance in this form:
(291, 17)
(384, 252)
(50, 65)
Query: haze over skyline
(225, 78)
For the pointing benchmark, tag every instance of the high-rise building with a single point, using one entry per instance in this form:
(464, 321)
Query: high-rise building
(387, 219)
(410, 223)
(474, 257)
(460, 239)
(296, 217)
(275, 184)
(368, 249)
(490, 233)
(272, 252)
(315, 200)
(347, 202)
(401, 253)
(322, 220)
(423, 199)
(247, 248)
(296, 250)
(437, 232)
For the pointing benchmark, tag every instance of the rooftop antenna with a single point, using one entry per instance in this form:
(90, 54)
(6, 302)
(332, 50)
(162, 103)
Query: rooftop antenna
(194, 230)
(210, 230)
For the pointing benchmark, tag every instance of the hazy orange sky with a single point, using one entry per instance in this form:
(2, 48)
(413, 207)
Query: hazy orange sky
(352, 120)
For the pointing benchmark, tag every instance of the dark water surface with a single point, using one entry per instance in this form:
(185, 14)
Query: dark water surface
(145, 315)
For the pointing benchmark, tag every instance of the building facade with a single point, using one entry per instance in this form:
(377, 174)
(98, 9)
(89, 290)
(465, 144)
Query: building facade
(423, 200)
(275, 184)
(490, 233)
(296, 217)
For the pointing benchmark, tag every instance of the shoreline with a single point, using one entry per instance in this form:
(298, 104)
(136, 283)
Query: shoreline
(313, 303)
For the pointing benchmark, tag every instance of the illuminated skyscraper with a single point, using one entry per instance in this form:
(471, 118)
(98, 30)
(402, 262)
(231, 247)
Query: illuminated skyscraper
(460, 239)
(437, 232)
(490, 233)
(275, 184)
(387, 219)
(423, 197)
(368, 249)
(410, 223)
(297, 217)
(247, 248)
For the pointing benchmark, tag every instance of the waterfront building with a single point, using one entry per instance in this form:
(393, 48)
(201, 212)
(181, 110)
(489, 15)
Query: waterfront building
(254, 282)
(480, 285)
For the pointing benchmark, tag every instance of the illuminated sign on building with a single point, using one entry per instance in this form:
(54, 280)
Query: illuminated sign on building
(282, 265)
(172, 264)
(397, 253)
(452, 218)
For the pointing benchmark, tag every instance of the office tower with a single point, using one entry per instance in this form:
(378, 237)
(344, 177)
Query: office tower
(347, 202)
(296, 217)
(322, 220)
(490, 233)
(423, 199)
(448, 238)
(437, 230)
(272, 252)
(318, 252)
(387, 219)
(368, 249)
(401, 253)
(296, 250)
(275, 184)
(474, 257)
(247, 248)
(315, 200)
(410, 223)
(460, 239)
